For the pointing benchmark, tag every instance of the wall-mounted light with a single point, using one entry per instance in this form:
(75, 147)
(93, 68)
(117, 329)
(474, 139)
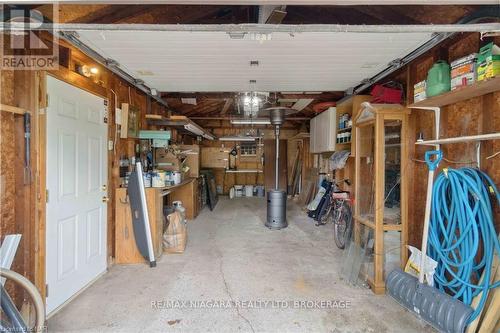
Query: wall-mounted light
(94, 70)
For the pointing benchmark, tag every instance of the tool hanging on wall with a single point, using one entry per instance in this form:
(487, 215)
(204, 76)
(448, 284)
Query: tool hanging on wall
(27, 148)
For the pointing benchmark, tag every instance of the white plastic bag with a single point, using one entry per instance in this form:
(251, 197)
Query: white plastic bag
(414, 263)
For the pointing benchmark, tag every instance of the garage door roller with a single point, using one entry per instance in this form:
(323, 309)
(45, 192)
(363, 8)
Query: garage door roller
(276, 199)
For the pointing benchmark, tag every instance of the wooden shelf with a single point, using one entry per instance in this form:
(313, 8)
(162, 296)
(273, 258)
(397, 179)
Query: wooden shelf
(12, 109)
(470, 138)
(477, 89)
(341, 130)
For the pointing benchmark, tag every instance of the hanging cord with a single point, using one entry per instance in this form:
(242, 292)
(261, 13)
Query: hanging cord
(462, 236)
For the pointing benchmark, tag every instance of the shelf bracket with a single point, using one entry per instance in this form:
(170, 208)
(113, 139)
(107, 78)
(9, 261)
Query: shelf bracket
(437, 119)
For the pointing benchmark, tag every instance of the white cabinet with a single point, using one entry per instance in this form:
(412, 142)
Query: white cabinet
(324, 131)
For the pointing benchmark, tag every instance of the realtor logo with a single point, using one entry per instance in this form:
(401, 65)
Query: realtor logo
(23, 46)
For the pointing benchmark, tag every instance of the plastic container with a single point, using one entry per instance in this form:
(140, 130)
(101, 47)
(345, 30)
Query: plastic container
(248, 190)
(158, 179)
(180, 208)
(260, 191)
(438, 79)
(147, 179)
(238, 191)
(176, 177)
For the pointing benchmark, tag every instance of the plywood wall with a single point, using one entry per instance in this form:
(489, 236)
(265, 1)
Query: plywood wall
(23, 206)
(224, 128)
(474, 116)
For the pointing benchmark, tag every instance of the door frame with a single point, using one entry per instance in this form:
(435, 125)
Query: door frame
(71, 78)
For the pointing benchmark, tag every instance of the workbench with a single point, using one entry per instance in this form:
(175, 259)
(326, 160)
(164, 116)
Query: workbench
(126, 251)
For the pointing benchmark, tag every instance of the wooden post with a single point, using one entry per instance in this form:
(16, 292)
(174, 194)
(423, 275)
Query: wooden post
(378, 281)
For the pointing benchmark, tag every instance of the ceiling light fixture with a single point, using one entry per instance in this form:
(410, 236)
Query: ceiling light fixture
(251, 103)
(238, 138)
(250, 121)
(208, 136)
(193, 129)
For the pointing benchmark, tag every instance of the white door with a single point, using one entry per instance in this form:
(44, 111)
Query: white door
(76, 184)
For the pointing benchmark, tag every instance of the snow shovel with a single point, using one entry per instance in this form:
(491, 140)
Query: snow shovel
(442, 311)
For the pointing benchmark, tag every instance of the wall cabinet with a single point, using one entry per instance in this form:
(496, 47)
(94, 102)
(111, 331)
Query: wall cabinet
(324, 131)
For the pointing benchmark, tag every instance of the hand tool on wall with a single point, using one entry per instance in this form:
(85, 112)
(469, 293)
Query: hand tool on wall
(27, 147)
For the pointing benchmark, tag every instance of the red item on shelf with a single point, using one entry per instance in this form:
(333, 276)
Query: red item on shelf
(391, 93)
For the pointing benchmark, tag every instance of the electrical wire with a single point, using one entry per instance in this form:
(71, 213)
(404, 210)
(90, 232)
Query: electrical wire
(494, 155)
(462, 236)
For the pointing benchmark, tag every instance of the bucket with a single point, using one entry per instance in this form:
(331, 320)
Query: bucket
(248, 190)
(147, 179)
(176, 177)
(260, 191)
(180, 208)
(238, 191)
(158, 179)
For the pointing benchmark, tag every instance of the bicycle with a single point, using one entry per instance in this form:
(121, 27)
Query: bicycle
(338, 210)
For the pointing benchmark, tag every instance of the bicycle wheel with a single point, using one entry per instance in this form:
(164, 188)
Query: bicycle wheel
(343, 226)
(325, 215)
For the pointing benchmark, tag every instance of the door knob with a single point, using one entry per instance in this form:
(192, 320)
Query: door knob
(105, 199)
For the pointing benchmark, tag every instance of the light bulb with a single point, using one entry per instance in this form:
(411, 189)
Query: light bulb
(94, 70)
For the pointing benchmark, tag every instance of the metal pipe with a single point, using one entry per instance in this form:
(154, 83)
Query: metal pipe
(255, 27)
(276, 167)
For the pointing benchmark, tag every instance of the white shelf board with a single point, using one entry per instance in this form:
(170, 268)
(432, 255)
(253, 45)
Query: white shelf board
(244, 171)
(470, 138)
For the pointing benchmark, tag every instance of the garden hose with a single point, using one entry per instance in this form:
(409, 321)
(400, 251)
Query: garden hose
(462, 236)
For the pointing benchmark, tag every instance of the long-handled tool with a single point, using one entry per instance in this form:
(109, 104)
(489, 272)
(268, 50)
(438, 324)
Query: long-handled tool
(442, 311)
(27, 147)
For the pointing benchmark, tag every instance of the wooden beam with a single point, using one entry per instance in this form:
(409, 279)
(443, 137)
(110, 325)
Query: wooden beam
(12, 109)
(225, 109)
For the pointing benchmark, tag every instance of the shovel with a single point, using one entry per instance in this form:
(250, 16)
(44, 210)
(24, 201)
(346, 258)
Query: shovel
(442, 311)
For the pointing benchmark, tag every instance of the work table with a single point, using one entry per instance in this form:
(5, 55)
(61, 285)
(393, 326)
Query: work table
(126, 251)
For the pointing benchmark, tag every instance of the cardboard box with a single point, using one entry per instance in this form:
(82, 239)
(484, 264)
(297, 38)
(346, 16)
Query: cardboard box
(463, 71)
(165, 160)
(214, 157)
(419, 93)
(488, 62)
(192, 160)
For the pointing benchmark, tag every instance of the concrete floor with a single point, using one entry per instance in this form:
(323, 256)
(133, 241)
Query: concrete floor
(231, 256)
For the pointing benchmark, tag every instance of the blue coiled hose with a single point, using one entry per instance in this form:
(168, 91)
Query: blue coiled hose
(461, 226)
